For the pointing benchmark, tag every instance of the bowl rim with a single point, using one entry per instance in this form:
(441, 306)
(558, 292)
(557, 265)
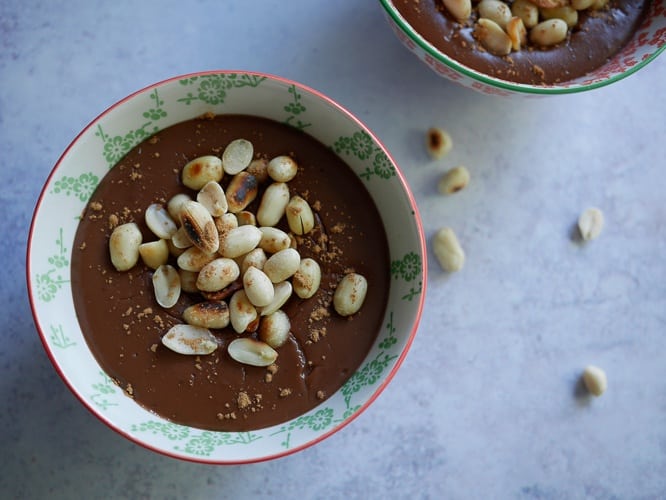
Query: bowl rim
(524, 88)
(269, 456)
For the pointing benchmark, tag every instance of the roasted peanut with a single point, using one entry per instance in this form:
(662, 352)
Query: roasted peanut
(209, 314)
(200, 227)
(198, 172)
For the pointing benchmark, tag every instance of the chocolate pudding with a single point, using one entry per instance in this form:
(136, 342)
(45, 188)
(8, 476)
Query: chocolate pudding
(123, 324)
(593, 41)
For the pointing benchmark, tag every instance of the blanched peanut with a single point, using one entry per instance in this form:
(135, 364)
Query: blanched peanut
(166, 284)
(273, 204)
(350, 294)
(240, 241)
(258, 287)
(225, 223)
(159, 221)
(307, 279)
(173, 249)
(180, 239)
(217, 274)
(568, 14)
(252, 352)
(274, 329)
(282, 168)
(256, 258)
(454, 180)
(237, 156)
(273, 239)
(212, 197)
(188, 281)
(124, 246)
(209, 314)
(550, 32)
(590, 223)
(281, 296)
(175, 205)
(199, 171)
(246, 218)
(493, 38)
(495, 10)
(282, 265)
(154, 253)
(194, 259)
(188, 339)
(595, 380)
(241, 311)
(448, 251)
(527, 11)
(299, 215)
(459, 9)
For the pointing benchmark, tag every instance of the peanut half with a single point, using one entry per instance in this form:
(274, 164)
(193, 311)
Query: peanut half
(448, 251)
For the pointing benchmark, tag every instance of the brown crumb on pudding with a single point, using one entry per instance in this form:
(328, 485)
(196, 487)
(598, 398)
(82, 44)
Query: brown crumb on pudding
(243, 400)
(321, 395)
(317, 333)
(285, 392)
(538, 71)
(113, 221)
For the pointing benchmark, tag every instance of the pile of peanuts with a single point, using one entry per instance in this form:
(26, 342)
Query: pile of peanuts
(502, 27)
(224, 251)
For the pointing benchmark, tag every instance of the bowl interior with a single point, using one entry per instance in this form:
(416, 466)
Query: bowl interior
(647, 43)
(114, 133)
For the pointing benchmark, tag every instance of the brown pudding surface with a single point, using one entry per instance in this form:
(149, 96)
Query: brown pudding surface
(123, 323)
(598, 36)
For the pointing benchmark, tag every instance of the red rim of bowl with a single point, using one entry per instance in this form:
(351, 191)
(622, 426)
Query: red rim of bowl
(307, 444)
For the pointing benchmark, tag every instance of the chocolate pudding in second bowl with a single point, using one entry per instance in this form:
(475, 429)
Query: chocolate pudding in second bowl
(591, 36)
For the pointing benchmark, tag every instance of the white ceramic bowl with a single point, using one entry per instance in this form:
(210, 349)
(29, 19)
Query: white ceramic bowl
(112, 134)
(646, 44)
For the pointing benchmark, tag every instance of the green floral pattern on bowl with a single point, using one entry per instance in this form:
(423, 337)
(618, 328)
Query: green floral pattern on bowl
(112, 135)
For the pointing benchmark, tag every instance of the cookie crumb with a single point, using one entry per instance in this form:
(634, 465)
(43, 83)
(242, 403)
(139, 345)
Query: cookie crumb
(285, 392)
(243, 400)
